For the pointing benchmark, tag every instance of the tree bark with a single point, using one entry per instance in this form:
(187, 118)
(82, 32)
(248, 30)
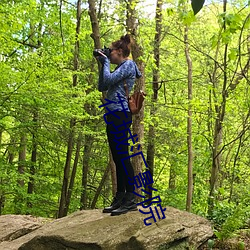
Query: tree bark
(85, 170)
(11, 152)
(97, 44)
(218, 127)
(64, 191)
(66, 176)
(35, 111)
(99, 189)
(172, 170)
(33, 156)
(21, 159)
(94, 24)
(151, 132)
(75, 78)
(137, 52)
(189, 124)
(19, 199)
(73, 174)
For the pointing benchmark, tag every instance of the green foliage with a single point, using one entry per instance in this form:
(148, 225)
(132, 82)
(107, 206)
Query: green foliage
(235, 221)
(221, 212)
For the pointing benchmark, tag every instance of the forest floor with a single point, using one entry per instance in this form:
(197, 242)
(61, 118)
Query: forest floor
(241, 242)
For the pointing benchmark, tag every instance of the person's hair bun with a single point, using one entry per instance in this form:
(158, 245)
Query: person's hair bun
(126, 39)
(123, 43)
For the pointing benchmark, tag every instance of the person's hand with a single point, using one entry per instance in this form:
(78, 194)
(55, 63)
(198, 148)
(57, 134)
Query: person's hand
(101, 58)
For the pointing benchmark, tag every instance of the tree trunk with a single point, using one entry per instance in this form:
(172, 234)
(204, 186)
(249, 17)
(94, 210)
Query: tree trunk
(189, 125)
(11, 152)
(73, 174)
(35, 112)
(66, 176)
(137, 53)
(64, 191)
(85, 170)
(19, 199)
(172, 178)
(97, 44)
(172, 170)
(2, 201)
(33, 157)
(94, 24)
(21, 159)
(99, 189)
(151, 132)
(217, 142)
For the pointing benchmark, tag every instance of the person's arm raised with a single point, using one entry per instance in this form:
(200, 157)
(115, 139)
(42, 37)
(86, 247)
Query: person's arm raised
(123, 72)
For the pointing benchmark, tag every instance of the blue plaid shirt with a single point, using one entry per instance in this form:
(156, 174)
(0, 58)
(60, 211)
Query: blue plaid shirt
(113, 82)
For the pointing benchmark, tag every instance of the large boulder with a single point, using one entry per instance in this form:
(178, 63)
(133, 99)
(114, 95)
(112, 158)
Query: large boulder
(15, 226)
(92, 230)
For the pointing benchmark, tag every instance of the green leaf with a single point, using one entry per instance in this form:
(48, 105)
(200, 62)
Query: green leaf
(188, 17)
(197, 5)
(233, 54)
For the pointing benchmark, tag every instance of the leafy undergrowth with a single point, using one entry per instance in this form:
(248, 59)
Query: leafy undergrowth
(231, 228)
(239, 242)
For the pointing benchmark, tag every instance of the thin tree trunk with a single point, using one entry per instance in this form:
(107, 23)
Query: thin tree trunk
(172, 178)
(151, 133)
(73, 174)
(34, 145)
(189, 125)
(99, 189)
(11, 154)
(85, 170)
(95, 31)
(137, 53)
(33, 158)
(35, 112)
(32, 167)
(66, 176)
(95, 24)
(78, 144)
(217, 142)
(2, 201)
(21, 159)
(19, 199)
(172, 170)
(77, 43)
(97, 44)
(64, 191)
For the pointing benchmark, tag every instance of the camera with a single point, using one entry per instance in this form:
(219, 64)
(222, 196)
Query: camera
(106, 51)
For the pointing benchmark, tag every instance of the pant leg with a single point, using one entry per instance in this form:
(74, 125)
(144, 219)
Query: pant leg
(122, 177)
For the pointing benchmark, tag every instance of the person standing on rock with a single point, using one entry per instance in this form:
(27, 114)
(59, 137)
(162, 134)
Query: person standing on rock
(118, 114)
